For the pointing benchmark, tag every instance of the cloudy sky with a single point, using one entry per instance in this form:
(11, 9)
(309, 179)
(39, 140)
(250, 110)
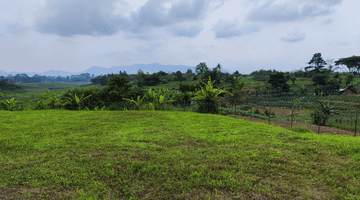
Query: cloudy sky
(243, 35)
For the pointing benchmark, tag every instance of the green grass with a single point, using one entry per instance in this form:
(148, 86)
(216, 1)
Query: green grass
(60, 154)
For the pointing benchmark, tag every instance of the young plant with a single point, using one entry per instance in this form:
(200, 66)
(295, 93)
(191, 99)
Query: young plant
(210, 94)
(267, 113)
(158, 101)
(9, 105)
(69, 101)
(97, 108)
(54, 100)
(137, 102)
(38, 104)
(294, 106)
(323, 112)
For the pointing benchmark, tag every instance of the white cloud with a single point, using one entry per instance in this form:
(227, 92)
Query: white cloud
(83, 17)
(287, 11)
(294, 36)
(327, 21)
(74, 35)
(228, 29)
(16, 29)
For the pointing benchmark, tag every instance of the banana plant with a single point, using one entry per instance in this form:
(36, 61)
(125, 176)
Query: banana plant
(97, 108)
(324, 111)
(9, 105)
(137, 102)
(209, 94)
(39, 104)
(68, 100)
(158, 100)
(54, 100)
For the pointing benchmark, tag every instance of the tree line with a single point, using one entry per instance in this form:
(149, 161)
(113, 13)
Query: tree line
(274, 80)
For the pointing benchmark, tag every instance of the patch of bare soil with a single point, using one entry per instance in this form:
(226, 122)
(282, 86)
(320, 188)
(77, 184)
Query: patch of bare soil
(287, 124)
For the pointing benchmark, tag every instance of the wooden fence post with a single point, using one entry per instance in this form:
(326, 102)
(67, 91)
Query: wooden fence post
(292, 111)
(269, 115)
(355, 122)
(250, 111)
(319, 125)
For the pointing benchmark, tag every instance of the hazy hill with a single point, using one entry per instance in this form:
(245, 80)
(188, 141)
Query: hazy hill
(132, 69)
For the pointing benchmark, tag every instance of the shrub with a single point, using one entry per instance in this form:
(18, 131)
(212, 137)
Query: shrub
(245, 113)
(266, 112)
(247, 107)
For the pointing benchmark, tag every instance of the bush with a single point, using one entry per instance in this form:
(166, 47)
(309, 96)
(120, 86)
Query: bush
(245, 113)
(266, 112)
(315, 115)
(247, 107)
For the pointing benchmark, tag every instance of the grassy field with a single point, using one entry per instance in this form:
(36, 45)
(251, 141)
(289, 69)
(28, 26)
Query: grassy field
(62, 154)
(59, 154)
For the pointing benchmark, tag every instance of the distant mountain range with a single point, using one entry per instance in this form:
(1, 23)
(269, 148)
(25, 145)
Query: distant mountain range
(96, 70)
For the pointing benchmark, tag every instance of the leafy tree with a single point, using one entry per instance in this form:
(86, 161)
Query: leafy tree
(320, 79)
(179, 76)
(123, 74)
(214, 74)
(316, 63)
(218, 66)
(293, 78)
(9, 85)
(263, 72)
(299, 73)
(278, 82)
(236, 74)
(118, 88)
(228, 77)
(235, 88)
(161, 73)
(20, 77)
(350, 62)
(332, 86)
(348, 79)
(201, 68)
(287, 76)
(348, 83)
(189, 71)
(152, 79)
(140, 78)
(102, 80)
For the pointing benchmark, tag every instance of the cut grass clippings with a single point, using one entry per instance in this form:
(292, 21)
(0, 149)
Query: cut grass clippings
(60, 154)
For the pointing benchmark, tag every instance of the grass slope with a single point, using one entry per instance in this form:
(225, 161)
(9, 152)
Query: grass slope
(59, 154)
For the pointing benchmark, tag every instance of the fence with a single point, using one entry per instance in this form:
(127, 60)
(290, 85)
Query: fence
(268, 101)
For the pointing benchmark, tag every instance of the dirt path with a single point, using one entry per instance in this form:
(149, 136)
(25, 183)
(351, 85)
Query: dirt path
(287, 124)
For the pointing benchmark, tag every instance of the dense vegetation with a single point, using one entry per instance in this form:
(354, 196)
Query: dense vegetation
(111, 89)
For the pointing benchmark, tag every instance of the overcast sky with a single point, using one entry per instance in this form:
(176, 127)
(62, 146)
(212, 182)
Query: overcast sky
(243, 35)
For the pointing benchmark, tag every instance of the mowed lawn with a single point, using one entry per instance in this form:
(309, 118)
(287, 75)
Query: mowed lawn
(61, 154)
